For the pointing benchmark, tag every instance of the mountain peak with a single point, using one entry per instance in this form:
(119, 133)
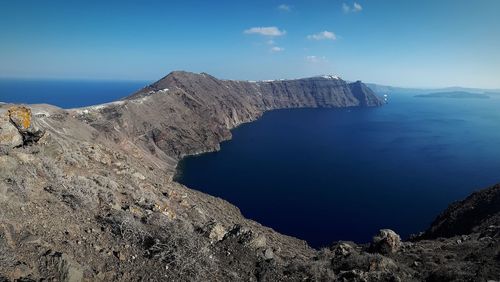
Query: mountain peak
(176, 75)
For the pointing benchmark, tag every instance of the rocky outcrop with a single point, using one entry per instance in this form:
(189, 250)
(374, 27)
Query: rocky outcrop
(386, 242)
(22, 119)
(17, 128)
(480, 213)
(9, 134)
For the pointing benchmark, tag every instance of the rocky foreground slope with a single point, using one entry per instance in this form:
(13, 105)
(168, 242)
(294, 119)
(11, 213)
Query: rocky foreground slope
(87, 195)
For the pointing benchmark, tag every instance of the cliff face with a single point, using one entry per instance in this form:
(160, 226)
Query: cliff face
(86, 195)
(186, 113)
(324, 91)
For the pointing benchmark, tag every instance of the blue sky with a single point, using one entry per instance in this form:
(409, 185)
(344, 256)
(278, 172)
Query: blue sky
(402, 43)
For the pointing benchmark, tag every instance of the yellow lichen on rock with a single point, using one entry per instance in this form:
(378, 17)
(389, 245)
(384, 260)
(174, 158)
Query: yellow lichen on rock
(20, 116)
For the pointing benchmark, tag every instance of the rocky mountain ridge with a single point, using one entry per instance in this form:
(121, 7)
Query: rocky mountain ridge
(87, 195)
(186, 113)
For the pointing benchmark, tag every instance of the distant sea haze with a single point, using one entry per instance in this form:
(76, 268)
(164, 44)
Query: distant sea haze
(66, 93)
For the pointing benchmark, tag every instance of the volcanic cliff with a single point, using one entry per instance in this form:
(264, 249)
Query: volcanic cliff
(186, 113)
(87, 194)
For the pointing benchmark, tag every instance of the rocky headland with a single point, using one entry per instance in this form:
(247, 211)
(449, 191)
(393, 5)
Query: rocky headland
(88, 195)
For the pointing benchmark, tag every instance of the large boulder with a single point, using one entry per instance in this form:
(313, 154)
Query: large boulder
(9, 135)
(386, 242)
(21, 118)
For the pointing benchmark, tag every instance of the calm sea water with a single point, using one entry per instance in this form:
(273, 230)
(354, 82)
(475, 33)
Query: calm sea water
(66, 93)
(324, 175)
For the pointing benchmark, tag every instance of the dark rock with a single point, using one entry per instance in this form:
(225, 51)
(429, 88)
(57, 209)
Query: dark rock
(343, 249)
(61, 267)
(480, 212)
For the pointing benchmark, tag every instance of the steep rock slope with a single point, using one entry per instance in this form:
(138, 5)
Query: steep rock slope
(479, 213)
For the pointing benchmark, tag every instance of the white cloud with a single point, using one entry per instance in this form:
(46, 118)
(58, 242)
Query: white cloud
(323, 35)
(316, 59)
(266, 31)
(356, 7)
(277, 49)
(284, 8)
(271, 42)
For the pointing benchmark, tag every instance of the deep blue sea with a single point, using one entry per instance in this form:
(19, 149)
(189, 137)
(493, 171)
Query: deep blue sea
(66, 93)
(324, 174)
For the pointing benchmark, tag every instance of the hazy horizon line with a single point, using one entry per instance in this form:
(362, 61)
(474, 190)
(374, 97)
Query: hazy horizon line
(108, 79)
